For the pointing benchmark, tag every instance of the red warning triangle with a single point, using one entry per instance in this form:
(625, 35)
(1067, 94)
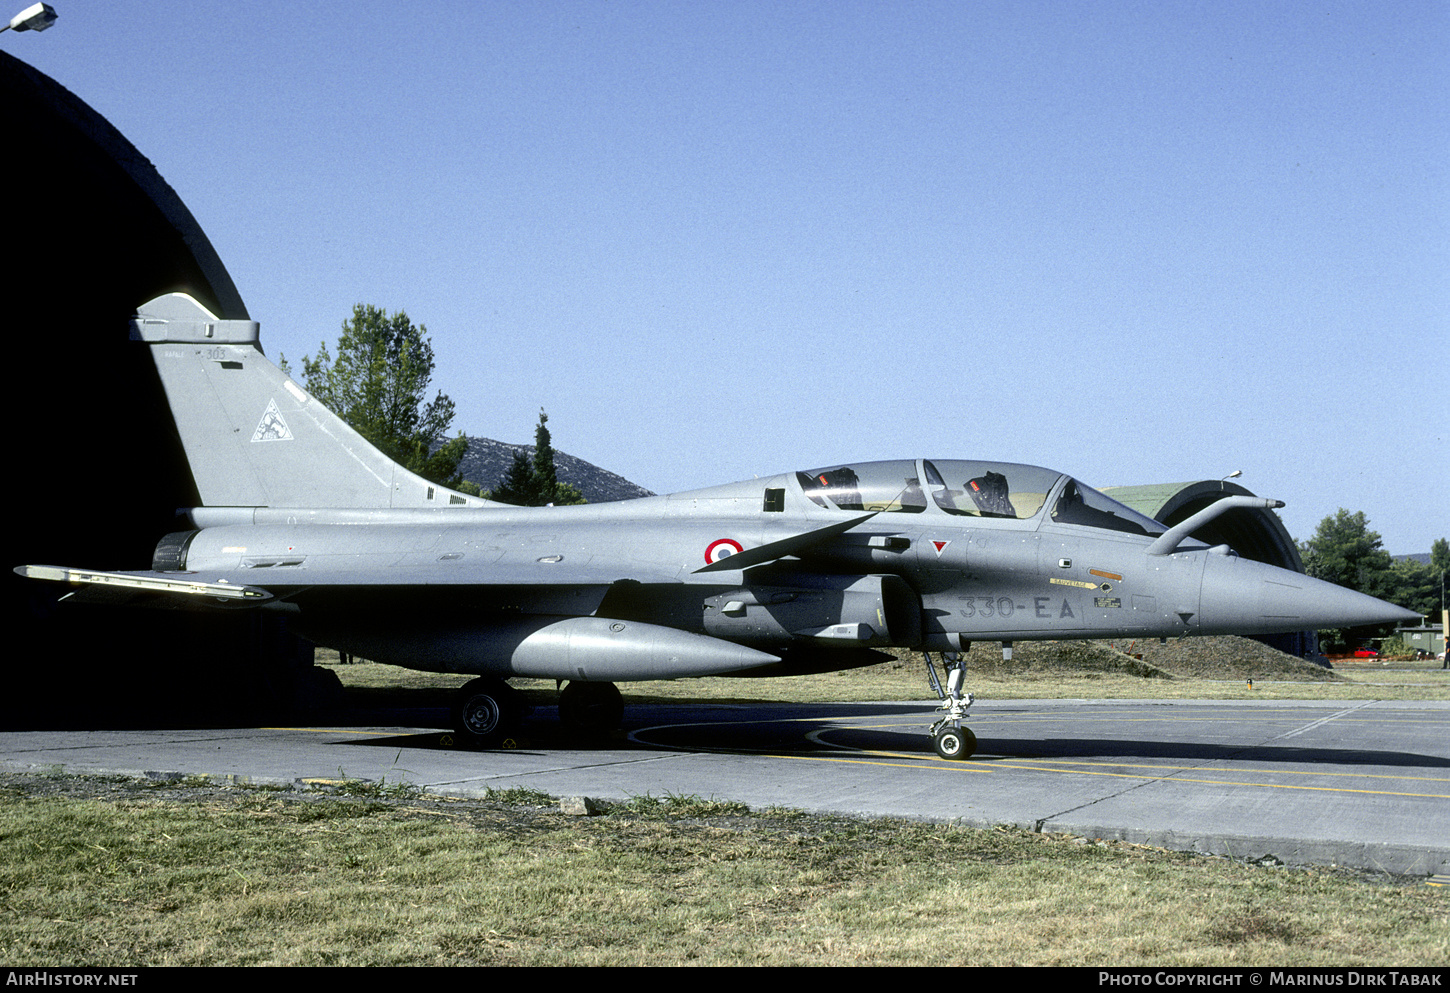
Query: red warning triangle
(940, 546)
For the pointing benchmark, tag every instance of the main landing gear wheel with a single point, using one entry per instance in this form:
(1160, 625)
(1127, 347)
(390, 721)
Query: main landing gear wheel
(954, 743)
(485, 712)
(591, 708)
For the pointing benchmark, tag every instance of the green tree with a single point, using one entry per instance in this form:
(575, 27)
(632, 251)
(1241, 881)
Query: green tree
(1414, 586)
(534, 482)
(379, 384)
(1440, 555)
(1420, 586)
(546, 479)
(517, 486)
(1345, 551)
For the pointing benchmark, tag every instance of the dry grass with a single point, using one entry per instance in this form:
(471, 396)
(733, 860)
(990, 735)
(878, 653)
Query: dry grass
(238, 878)
(1199, 668)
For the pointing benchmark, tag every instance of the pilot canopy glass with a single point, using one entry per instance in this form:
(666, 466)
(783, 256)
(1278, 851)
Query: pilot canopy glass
(1001, 490)
(969, 489)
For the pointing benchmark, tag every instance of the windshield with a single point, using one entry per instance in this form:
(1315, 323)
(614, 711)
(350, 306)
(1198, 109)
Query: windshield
(1079, 504)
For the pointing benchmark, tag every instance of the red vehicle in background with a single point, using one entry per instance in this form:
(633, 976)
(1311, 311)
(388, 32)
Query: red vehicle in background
(1365, 652)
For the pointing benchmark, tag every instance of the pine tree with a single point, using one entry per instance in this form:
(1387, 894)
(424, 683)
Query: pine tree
(518, 486)
(546, 480)
(378, 384)
(535, 483)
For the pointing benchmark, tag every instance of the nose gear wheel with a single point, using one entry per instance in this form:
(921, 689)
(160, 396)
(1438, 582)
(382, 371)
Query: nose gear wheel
(954, 742)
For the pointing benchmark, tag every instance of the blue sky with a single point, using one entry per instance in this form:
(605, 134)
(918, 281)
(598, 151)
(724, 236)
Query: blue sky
(1137, 242)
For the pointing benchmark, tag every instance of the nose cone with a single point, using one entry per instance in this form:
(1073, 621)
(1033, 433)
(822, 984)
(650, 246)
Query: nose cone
(1244, 597)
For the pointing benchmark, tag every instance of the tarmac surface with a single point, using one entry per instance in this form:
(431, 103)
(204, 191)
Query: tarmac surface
(1360, 784)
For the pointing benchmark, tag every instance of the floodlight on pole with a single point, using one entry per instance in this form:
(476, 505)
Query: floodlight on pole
(36, 17)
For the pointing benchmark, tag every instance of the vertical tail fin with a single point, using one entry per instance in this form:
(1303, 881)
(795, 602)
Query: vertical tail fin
(253, 437)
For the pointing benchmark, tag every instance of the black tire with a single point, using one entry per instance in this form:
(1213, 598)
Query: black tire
(955, 743)
(484, 712)
(591, 708)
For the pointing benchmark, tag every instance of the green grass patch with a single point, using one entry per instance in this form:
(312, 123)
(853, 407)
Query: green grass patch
(684, 805)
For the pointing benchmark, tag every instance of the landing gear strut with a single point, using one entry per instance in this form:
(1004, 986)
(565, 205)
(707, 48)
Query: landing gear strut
(948, 737)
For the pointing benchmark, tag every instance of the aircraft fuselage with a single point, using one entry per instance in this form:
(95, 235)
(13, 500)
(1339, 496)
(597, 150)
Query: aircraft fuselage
(731, 578)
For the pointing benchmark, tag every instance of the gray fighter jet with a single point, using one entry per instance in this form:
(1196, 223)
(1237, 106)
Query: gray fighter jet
(801, 572)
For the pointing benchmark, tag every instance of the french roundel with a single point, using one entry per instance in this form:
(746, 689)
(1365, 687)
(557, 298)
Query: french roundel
(721, 549)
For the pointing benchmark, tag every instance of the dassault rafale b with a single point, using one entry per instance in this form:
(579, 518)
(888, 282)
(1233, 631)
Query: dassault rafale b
(800, 572)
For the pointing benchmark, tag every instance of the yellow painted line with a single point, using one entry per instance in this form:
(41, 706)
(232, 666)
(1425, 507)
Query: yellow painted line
(933, 764)
(911, 761)
(380, 734)
(813, 736)
(1264, 772)
(980, 720)
(1071, 767)
(1217, 719)
(974, 764)
(1029, 767)
(1230, 782)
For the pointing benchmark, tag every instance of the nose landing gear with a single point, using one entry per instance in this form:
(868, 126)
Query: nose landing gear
(948, 737)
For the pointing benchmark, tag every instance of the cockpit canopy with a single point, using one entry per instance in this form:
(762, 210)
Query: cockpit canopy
(1002, 490)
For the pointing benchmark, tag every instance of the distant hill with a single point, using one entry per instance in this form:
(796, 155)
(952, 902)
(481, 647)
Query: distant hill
(488, 461)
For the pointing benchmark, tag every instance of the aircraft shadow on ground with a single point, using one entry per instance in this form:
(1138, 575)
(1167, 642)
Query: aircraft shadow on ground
(790, 736)
(1198, 751)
